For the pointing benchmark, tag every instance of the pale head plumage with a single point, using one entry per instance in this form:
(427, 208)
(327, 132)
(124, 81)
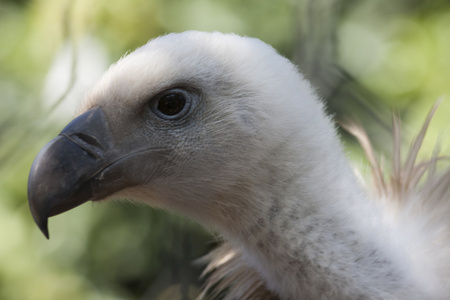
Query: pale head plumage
(255, 157)
(248, 101)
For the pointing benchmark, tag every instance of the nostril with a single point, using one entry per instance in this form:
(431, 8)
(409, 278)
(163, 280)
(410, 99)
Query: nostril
(90, 132)
(87, 139)
(86, 142)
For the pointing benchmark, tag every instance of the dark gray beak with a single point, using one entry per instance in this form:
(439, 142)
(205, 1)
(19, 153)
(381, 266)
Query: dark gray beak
(79, 165)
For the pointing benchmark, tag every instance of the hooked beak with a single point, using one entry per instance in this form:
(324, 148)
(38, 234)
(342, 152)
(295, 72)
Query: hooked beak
(80, 165)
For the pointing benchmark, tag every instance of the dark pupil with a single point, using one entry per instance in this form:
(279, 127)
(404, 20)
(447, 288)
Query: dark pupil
(171, 104)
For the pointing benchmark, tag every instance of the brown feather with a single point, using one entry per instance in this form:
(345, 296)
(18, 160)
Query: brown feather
(228, 273)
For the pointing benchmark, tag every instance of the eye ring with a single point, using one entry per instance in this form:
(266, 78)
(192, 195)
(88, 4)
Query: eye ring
(172, 104)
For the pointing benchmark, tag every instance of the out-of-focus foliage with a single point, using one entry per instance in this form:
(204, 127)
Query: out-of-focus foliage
(370, 58)
(366, 58)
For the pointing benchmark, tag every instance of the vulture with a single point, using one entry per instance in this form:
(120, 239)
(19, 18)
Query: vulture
(224, 130)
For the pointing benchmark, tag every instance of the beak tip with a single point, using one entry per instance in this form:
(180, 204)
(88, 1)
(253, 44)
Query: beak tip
(44, 229)
(41, 221)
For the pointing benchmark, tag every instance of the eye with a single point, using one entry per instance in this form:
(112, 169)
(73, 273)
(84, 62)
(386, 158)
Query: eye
(172, 104)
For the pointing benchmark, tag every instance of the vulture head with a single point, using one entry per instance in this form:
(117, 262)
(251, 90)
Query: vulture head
(190, 122)
(226, 131)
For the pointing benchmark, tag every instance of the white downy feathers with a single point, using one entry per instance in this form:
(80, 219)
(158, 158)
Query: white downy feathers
(257, 159)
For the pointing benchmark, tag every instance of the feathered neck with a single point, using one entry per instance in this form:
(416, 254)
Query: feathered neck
(312, 232)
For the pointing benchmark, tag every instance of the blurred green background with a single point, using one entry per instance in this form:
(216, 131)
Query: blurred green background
(367, 59)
